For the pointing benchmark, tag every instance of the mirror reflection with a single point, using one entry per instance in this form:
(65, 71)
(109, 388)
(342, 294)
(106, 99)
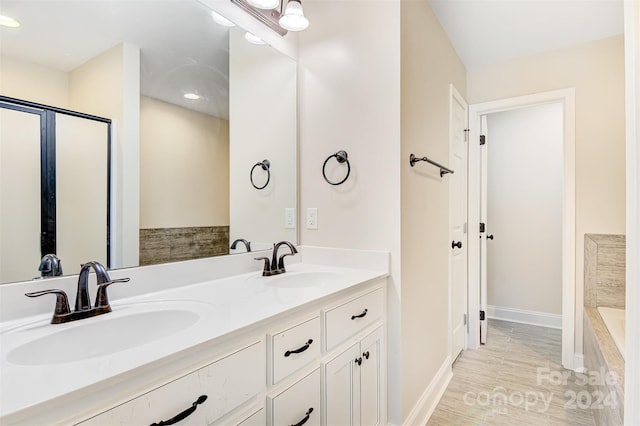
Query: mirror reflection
(188, 108)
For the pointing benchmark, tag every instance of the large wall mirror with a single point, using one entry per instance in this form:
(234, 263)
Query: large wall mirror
(188, 110)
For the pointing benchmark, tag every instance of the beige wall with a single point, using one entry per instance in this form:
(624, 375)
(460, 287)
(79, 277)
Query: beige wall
(596, 71)
(184, 167)
(34, 83)
(349, 80)
(429, 65)
(108, 85)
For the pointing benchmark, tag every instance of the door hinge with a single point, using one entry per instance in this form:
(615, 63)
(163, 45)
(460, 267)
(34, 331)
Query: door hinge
(481, 227)
(466, 135)
(483, 140)
(464, 319)
(464, 228)
(481, 315)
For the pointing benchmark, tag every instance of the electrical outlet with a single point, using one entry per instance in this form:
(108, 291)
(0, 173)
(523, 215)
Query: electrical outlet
(312, 218)
(289, 218)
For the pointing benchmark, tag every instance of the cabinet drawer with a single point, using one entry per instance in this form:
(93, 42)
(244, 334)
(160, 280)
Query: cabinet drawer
(347, 319)
(227, 383)
(294, 348)
(299, 401)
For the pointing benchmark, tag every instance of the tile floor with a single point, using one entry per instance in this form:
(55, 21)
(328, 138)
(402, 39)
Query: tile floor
(515, 379)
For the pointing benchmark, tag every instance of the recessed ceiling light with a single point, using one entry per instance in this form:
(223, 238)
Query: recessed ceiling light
(7, 21)
(253, 38)
(192, 96)
(221, 20)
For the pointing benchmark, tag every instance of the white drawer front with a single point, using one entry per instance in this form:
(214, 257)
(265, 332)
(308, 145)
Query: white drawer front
(227, 383)
(347, 319)
(294, 404)
(294, 348)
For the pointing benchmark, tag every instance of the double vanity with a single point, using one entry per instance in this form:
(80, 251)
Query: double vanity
(209, 341)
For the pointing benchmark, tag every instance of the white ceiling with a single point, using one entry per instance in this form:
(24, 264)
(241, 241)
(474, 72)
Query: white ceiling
(182, 49)
(491, 31)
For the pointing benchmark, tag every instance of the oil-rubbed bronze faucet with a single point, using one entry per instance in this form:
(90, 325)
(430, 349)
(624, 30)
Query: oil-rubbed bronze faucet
(247, 244)
(83, 307)
(277, 264)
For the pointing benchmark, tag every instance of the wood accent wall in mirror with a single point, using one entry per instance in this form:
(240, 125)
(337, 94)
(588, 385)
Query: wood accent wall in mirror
(193, 106)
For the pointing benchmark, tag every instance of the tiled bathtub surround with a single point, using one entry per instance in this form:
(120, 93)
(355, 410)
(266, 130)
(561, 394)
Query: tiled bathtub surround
(604, 270)
(601, 356)
(604, 281)
(162, 245)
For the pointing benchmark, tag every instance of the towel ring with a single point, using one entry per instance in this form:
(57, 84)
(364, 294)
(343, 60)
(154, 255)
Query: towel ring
(341, 157)
(265, 165)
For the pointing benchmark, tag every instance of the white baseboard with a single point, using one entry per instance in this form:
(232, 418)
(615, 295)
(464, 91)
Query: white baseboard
(429, 399)
(526, 317)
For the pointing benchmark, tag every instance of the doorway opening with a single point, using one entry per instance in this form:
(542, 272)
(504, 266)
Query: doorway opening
(477, 263)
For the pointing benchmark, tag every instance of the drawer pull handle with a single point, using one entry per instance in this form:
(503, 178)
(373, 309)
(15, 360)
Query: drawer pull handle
(366, 354)
(359, 316)
(301, 349)
(358, 361)
(306, 417)
(186, 413)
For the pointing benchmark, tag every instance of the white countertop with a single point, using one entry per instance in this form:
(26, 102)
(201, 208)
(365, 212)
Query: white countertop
(224, 305)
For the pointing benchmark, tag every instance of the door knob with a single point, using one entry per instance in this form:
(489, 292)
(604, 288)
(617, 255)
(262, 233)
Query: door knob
(454, 244)
(490, 237)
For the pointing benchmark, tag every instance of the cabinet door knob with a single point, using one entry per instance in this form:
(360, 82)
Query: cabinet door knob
(490, 237)
(454, 244)
(364, 313)
(300, 349)
(358, 361)
(366, 354)
(306, 417)
(181, 416)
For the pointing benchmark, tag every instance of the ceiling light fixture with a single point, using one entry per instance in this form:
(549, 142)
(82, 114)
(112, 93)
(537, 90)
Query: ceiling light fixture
(221, 20)
(192, 96)
(280, 18)
(254, 39)
(293, 18)
(264, 4)
(9, 22)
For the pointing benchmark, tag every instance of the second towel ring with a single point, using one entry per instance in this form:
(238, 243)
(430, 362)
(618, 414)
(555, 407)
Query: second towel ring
(265, 165)
(341, 157)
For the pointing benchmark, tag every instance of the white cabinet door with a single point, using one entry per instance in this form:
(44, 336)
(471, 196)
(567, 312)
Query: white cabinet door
(342, 387)
(372, 378)
(355, 383)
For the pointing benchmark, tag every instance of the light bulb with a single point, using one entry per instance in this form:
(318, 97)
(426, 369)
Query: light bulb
(253, 38)
(264, 4)
(7, 21)
(192, 96)
(293, 18)
(221, 20)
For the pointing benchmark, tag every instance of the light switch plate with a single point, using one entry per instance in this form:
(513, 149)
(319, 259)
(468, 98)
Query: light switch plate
(312, 218)
(289, 218)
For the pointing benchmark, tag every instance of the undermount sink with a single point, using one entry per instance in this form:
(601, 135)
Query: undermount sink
(299, 279)
(127, 327)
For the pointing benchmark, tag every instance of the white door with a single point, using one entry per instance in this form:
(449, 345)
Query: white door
(458, 218)
(483, 235)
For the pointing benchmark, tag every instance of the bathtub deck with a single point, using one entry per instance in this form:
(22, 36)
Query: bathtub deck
(508, 366)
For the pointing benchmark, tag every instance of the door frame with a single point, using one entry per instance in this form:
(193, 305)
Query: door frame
(570, 311)
(455, 96)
